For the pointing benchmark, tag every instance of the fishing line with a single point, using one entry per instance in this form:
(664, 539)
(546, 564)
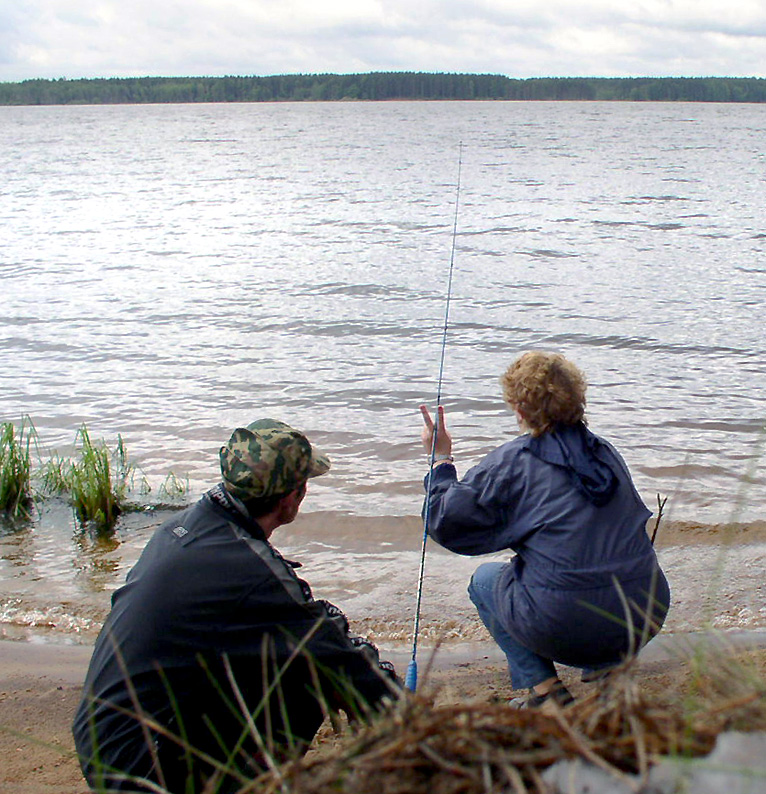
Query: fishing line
(411, 679)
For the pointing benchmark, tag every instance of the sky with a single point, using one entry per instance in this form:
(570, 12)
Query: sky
(518, 38)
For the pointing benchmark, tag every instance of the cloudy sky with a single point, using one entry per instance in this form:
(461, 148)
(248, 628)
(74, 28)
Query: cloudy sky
(519, 38)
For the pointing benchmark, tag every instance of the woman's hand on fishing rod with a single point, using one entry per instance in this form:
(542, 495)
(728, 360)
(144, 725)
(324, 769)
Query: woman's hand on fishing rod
(443, 448)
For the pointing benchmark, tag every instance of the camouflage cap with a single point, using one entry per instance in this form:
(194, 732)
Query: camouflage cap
(268, 458)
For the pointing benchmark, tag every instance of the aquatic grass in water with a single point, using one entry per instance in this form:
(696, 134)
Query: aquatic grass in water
(174, 487)
(15, 468)
(98, 481)
(55, 475)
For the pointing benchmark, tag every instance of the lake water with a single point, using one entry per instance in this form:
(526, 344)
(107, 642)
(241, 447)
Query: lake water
(170, 272)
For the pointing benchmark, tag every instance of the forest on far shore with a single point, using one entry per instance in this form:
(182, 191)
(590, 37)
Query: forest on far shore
(378, 86)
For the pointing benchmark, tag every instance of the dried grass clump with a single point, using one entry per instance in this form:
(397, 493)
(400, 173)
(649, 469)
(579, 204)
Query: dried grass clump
(480, 748)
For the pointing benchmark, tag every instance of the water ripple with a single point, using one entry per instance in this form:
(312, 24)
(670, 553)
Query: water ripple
(171, 271)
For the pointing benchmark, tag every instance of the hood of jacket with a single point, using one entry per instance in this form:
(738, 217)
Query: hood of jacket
(583, 455)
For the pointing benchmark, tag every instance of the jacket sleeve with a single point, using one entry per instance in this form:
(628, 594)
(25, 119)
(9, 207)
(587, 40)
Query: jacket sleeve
(283, 621)
(349, 668)
(471, 516)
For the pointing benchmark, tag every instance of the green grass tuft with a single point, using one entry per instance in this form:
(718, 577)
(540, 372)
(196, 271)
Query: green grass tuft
(55, 475)
(15, 469)
(98, 481)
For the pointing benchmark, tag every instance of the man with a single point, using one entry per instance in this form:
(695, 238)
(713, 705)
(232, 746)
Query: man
(216, 661)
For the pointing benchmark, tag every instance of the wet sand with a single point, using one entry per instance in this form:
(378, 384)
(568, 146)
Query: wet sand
(55, 580)
(39, 689)
(716, 574)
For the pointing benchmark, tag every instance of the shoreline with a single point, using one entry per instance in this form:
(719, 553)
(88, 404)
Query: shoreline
(368, 567)
(408, 529)
(68, 662)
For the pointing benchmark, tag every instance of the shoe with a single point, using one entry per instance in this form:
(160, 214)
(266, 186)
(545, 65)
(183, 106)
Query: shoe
(558, 694)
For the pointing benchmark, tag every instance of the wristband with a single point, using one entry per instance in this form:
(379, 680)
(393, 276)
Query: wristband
(440, 458)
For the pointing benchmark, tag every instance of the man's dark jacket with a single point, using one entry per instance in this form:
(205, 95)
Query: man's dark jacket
(206, 622)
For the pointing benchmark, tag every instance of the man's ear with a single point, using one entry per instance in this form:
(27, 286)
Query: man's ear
(300, 491)
(291, 498)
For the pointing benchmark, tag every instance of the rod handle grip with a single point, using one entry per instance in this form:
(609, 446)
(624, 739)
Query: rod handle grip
(411, 679)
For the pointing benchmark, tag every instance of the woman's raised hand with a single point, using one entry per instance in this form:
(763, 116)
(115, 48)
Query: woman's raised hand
(443, 438)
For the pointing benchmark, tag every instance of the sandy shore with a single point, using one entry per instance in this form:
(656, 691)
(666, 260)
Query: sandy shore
(40, 681)
(40, 687)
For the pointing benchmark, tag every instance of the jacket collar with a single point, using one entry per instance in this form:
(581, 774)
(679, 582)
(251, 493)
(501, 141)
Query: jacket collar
(584, 457)
(235, 511)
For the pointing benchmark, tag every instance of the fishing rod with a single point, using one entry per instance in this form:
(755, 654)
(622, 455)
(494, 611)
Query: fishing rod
(411, 679)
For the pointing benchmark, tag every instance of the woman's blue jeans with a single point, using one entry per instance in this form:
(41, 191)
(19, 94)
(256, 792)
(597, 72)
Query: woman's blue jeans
(526, 667)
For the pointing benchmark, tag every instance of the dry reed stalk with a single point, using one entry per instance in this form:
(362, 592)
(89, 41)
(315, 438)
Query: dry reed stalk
(475, 748)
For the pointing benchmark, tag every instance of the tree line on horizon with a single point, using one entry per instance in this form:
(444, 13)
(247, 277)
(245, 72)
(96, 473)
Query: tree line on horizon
(379, 86)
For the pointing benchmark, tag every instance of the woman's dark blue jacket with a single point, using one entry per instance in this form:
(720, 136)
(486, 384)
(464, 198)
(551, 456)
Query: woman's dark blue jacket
(585, 587)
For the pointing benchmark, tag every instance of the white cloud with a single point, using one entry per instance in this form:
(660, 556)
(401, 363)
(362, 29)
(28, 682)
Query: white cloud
(103, 38)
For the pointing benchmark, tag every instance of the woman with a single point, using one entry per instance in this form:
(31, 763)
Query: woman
(584, 588)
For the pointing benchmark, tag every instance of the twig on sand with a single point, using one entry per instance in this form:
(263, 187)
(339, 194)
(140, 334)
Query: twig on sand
(660, 506)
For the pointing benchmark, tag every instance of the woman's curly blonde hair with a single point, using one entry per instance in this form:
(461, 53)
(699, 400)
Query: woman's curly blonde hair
(546, 390)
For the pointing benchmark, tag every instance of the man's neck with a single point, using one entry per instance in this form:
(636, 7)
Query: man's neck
(266, 523)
